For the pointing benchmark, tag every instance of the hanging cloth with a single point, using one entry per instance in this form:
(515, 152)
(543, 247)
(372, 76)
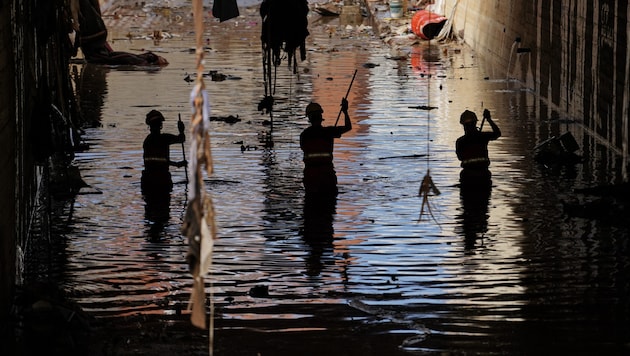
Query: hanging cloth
(225, 9)
(284, 28)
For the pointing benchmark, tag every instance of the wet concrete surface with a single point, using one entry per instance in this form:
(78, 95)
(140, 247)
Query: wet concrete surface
(367, 275)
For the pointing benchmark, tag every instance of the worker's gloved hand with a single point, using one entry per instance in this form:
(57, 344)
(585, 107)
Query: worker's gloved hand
(486, 113)
(180, 126)
(344, 104)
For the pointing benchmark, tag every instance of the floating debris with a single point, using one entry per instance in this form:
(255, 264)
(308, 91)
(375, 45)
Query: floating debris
(397, 58)
(405, 156)
(326, 11)
(231, 119)
(216, 76)
(558, 151)
(266, 104)
(219, 77)
(248, 148)
(261, 291)
(423, 107)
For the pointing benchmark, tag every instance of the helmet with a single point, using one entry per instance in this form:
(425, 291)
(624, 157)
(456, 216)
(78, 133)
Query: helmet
(313, 108)
(154, 116)
(468, 117)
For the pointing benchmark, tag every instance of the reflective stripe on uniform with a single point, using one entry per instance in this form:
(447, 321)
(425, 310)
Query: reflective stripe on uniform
(474, 161)
(317, 155)
(155, 159)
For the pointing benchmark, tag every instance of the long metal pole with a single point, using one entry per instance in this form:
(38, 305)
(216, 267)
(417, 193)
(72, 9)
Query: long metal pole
(347, 93)
(184, 153)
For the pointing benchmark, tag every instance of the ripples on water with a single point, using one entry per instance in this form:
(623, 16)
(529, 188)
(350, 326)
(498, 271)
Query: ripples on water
(523, 271)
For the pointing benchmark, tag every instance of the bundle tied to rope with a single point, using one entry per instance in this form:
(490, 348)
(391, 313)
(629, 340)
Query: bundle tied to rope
(427, 186)
(198, 225)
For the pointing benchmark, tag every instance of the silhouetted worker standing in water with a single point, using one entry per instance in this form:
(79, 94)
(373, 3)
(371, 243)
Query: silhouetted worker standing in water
(317, 143)
(472, 148)
(156, 176)
(156, 179)
(475, 177)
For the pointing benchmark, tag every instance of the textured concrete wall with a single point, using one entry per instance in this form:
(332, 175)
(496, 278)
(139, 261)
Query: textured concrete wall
(579, 60)
(7, 163)
(34, 62)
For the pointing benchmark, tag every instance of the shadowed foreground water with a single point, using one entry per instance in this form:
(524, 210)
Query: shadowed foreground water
(511, 274)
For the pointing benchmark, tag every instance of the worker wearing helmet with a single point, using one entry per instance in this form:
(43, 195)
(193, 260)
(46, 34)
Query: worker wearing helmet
(317, 143)
(156, 177)
(472, 147)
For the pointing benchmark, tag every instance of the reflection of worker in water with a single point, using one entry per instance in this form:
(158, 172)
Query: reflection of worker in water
(318, 230)
(317, 143)
(475, 177)
(93, 39)
(474, 217)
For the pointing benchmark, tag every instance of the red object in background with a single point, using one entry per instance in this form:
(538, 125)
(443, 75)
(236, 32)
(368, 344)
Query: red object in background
(426, 24)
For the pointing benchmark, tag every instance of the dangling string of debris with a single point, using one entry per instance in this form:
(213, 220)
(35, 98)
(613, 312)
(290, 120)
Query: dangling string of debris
(427, 186)
(266, 104)
(199, 226)
(284, 29)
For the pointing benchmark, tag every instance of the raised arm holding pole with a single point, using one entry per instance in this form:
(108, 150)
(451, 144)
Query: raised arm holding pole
(346, 97)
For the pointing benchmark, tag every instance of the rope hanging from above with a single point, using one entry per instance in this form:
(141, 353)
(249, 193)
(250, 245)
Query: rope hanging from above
(427, 186)
(199, 222)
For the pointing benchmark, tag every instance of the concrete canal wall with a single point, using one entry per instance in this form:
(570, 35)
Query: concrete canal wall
(574, 54)
(36, 107)
(7, 163)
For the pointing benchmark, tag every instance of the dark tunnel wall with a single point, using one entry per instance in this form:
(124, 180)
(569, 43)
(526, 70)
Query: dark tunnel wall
(36, 107)
(579, 61)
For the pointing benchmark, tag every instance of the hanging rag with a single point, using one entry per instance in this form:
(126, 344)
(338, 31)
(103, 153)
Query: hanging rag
(285, 27)
(225, 9)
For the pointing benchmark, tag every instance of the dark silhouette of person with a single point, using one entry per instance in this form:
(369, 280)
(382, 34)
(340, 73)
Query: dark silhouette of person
(156, 182)
(317, 143)
(472, 148)
(475, 177)
(92, 38)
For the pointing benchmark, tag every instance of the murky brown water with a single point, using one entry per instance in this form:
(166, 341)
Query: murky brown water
(516, 275)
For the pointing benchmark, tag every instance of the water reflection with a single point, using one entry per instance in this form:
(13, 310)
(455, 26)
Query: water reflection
(475, 194)
(157, 212)
(535, 263)
(91, 91)
(317, 230)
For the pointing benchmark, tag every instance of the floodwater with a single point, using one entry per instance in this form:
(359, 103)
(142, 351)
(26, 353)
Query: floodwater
(510, 274)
